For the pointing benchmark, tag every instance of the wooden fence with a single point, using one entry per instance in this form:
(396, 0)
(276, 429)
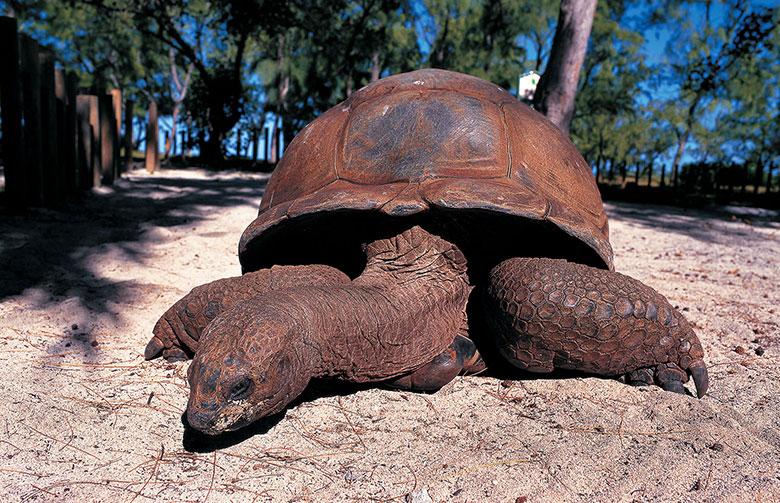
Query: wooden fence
(56, 141)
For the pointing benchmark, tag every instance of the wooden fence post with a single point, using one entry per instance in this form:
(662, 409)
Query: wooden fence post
(94, 125)
(31, 103)
(84, 112)
(107, 137)
(53, 176)
(11, 107)
(128, 139)
(71, 133)
(151, 138)
(116, 98)
(66, 168)
(255, 142)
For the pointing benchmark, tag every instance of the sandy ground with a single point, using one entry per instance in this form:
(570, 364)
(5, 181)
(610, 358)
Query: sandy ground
(84, 418)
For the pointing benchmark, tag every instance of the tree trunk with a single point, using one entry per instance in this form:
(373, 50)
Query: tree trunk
(168, 143)
(376, 70)
(151, 138)
(348, 86)
(180, 92)
(128, 138)
(663, 175)
(211, 147)
(759, 176)
(650, 174)
(255, 142)
(683, 139)
(11, 109)
(557, 88)
(283, 86)
(598, 169)
(439, 50)
(174, 118)
(769, 177)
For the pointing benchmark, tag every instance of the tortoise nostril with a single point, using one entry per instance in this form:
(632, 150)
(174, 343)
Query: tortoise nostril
(210, 406)
(240, 389)
(200, 420)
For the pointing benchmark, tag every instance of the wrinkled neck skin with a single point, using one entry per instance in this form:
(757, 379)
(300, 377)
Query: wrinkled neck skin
(404, 309)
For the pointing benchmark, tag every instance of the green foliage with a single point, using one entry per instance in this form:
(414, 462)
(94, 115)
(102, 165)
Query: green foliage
(488, 38)
(711, 100)
(103, 51)
(329, 50)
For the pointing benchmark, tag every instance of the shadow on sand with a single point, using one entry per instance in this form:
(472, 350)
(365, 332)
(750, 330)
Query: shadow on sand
(53, 250)
(697, 223)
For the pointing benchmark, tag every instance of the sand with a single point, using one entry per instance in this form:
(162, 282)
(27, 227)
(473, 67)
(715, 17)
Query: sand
(84, 418)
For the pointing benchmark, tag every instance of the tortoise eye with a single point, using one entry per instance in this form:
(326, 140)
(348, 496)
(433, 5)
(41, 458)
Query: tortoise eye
(240, 389)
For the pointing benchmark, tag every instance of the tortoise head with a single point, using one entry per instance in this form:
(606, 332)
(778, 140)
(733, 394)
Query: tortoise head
(245, 368)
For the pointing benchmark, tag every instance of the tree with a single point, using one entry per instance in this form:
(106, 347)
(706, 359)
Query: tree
(102, 51)
(606, 112)
(557, 88)
(752, 122)
(330, 49)
(179, 89)
(491, 39)
(705, 59)
(215, 37)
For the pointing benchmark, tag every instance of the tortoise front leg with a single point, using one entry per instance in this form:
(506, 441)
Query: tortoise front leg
(550, 313)
(178, 331)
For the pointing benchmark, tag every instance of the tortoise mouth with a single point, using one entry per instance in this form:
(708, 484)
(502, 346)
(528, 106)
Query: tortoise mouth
(336, 237)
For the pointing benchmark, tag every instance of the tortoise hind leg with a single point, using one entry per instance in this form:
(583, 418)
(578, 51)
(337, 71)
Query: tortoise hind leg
(460, 357)
(549, 313)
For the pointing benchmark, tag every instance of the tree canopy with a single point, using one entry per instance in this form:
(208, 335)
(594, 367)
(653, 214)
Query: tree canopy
(666, 86)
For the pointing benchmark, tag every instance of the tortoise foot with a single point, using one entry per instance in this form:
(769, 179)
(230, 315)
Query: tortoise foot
(171, 338)
(668, 376)
(460, 357)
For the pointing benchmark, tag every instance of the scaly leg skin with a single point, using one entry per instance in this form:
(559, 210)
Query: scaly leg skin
(549, 313)
(460, 357)
(178, 331)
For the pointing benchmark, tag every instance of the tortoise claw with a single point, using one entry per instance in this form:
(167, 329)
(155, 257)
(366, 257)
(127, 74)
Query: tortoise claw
(175, 354)
(154, 348)
(700, 377)
(671, 377)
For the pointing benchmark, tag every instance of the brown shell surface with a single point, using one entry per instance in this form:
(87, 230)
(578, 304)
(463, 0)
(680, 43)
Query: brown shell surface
(434, 139)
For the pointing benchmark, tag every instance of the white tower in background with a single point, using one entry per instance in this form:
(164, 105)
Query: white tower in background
(526, 86)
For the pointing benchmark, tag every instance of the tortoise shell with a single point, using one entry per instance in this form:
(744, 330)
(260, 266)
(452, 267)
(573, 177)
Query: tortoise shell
(422, 142)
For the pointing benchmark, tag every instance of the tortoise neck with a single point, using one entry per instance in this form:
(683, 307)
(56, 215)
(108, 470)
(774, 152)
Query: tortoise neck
(404, 309)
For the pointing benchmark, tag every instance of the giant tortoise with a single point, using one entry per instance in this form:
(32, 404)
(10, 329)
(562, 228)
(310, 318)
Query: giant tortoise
(397, 219)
